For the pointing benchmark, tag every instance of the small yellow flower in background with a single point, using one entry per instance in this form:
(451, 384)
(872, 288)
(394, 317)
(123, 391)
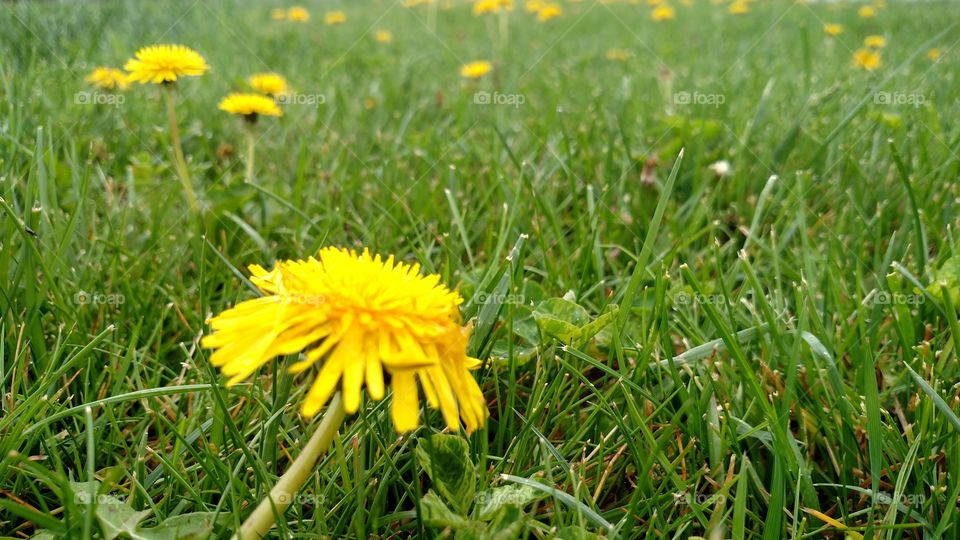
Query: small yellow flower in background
(298, 14)
(476, 69)
(533, 6)
(108, 78)
(335, 17)
(875, 42)
(833, 29)
(165, 63)
(548, 12)
(654, 3)
(934, 54)
(250, 105)
(383, 36)
(278, 14)
(617, 55)
(867, 12)
(662, 13)
(739, 7)
(270, 84)
(359, 317)
(867, 59)
(482, 7)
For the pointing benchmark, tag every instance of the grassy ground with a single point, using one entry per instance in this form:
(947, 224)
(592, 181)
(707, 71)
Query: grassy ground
(779, 365)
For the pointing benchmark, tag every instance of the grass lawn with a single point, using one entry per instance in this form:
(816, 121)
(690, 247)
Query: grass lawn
(711, 266)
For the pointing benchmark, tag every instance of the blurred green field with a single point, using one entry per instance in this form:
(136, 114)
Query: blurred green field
(779, 361)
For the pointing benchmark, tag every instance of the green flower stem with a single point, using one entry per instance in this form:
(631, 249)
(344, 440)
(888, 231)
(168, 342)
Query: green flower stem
(282, 494)
(251, 144)
(179, 162)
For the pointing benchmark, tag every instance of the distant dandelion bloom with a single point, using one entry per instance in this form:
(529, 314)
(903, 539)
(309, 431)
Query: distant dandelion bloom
(270, 84)
(833, 29)
(533, 6)
(250, 105)
(278, 14)
(662, 13)
(360, 317)
(739, 7)
(335, 17)
(298, 14)
(108, 78)
(482, 7)
(165, 63)
(934, 54)
(875, 42)
(476, 69)
(867, 59)
(866, 12)
(618, 55)
(548, 12)
(383, 36)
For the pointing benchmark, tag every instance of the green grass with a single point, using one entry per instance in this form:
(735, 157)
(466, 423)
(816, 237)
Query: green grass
(777, 351)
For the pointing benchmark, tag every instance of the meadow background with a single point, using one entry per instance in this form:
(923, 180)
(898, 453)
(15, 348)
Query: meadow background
(779, 362)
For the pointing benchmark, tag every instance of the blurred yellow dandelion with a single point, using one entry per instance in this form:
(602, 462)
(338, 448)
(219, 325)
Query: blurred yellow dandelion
(298, 14)
(533, 6)
(875, 42)
(108, 78)
(548, 12)
(662, 13)
(617, 55)
(934, 54)
(833, 29)
(867, 59)
(866, 12)
(383, 36)
(335, 17)
(482, 7)
(250, 105)
(278, 14)
(476, 69)
(271, 84)
(360, 318)
(164, 63)
(739, 7)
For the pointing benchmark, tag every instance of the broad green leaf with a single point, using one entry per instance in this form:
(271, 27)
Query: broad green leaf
(561, 319)
(492, 500)
(507, 523)
(438, 514)
(446, 460)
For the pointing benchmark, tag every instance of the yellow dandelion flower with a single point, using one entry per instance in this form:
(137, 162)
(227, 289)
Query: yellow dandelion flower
(867, 59)
(334, 17)
(482, 7)
(278, 14)
(739, 7)
(833, 29)
(654, 3)
(165, 63)
(250, 105)
(383, 36)
(934, 54)
(875, 42)
(359, 316)
(548, 12)
(476, 69)
(866, 12)
(108, 78)
(618, 55)
(298, 14)
(270, 84)
(662, 13)
(533, 6)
